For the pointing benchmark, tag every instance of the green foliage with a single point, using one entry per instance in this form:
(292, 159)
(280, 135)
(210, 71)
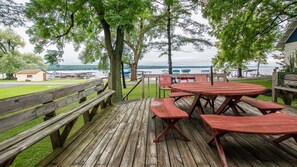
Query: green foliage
(53, 57)
(247, 27)
(11, 59)
(184, 29)
(288, 68)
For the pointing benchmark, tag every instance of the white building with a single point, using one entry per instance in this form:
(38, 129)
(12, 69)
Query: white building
(288, 42)
(31, 75)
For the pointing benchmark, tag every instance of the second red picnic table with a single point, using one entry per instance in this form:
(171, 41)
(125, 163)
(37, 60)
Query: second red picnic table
(233, 91)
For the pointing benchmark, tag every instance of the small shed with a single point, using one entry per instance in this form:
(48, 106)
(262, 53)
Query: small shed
(31, 75)
(288, 42)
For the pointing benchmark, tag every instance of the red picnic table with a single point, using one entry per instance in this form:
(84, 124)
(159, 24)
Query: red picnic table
(233, 91)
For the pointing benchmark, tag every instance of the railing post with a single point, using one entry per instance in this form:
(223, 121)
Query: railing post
(142, 74)
(274, 83)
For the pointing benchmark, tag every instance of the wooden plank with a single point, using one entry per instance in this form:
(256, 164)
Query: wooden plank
(97, 143)
(184, 150)
(79, 138)
(174, 154)
(33, 113)
(19, 147)
(118, 153)
(114, 142)
(247, 145)
(11, 141)
(275, 153)
(286, 89)
(9, 105)
(162, 151)
(140, 157)
(103, 149)
(129, 153)
(151, 151)
(70, 154)
(292, 77)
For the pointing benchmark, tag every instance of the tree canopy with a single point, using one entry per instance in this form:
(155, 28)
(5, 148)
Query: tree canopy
(247, 27)
(84, 23)
(11, 59)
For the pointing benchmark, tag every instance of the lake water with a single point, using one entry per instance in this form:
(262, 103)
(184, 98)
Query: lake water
(264, 70)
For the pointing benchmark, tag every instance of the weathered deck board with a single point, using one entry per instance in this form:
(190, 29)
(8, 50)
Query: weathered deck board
(123, 136)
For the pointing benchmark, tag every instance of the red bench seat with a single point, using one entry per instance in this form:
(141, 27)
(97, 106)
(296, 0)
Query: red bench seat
(263, 106)
(166, 110)
(275, 123)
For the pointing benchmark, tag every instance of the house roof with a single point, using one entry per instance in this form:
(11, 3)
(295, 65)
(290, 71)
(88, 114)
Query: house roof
(29, 71)
(281, 43)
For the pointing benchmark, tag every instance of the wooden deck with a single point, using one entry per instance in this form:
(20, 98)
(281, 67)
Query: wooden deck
(123, 136)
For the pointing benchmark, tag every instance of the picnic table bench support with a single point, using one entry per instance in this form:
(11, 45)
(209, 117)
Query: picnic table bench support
(230, 102)
(285, 137)
(195, 103)
(170, 123)
(216, 138)
(55, 136)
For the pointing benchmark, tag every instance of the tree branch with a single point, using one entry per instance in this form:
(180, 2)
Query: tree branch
(71, 26)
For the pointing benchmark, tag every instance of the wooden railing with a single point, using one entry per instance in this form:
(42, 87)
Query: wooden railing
(127, 95)
(147, 77)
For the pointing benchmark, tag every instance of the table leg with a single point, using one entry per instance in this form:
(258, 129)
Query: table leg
(224, 105)
(195, 103)
(231, 102)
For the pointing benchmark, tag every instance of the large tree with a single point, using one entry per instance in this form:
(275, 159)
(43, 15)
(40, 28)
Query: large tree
(178, 28)
(11, 59)
(246, 27)
(82, 22)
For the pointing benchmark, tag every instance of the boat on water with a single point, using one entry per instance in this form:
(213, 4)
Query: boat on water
(177, 71)
(186, 70)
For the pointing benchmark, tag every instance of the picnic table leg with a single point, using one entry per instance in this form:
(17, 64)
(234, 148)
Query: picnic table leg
(224, 105)
(285, 137)
(195, 103)
(216, 138)
(171, 123)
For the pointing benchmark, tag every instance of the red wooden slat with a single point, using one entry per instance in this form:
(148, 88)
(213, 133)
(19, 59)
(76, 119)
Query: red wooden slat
(263, 105)
(276, 123)
(165, 109)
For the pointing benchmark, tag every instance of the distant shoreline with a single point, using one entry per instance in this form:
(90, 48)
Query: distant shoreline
(95, 67)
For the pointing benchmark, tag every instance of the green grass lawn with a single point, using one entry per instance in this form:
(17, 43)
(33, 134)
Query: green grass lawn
(50, 81)
(26, 89)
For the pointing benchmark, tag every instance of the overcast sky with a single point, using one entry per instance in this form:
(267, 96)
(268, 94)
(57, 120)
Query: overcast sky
(188, 57)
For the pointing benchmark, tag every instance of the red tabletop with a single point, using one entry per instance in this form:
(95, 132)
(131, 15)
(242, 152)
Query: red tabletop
(220, 88)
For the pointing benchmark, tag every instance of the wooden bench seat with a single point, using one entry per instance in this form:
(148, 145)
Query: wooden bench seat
(275, 123)
(178, 95)
(265, 107)
(166, 110)
(11, 147)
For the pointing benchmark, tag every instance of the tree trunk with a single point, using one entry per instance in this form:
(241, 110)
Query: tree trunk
(115, 71)
(258, 67)
(123, 76)
(169, 39)
(239, 72)
(10, 76)
(134, 71)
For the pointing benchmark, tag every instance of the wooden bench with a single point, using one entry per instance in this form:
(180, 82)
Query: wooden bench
(22, 109)
(166, 110)
(265, 107)
(287, 91)
(275, 123)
